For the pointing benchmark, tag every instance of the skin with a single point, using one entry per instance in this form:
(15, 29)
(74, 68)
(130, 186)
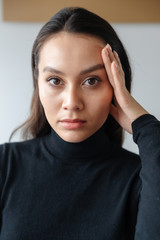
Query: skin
(69, 94)
(74, 90)
(126, 109)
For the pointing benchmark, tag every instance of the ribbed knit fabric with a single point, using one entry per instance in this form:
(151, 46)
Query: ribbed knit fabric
(55, 190)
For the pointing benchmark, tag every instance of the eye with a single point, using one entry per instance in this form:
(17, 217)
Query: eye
(92, 81)
(55, 81)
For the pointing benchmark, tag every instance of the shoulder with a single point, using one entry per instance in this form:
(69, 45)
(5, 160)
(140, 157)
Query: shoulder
(126, 164)
(129, 157)
(15, 147)
(124, 155)
(10, 153)
(17, 155)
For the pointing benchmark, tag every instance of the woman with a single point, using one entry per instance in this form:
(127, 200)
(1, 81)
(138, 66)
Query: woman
(72, 179)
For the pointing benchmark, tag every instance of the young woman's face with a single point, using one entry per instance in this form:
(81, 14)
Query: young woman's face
(73, 85)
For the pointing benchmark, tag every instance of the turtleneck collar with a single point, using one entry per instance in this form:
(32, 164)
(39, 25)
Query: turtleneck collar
(93, 148)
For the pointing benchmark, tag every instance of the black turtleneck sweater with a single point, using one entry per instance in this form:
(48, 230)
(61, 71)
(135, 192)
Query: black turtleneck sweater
(94, 190)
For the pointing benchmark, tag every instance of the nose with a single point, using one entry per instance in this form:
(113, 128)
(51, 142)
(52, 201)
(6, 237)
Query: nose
(72, 99)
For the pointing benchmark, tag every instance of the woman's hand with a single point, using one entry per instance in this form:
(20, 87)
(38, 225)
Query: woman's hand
(126, 108)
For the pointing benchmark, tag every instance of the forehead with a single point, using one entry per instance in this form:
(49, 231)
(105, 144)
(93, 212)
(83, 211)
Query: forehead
(69, 47)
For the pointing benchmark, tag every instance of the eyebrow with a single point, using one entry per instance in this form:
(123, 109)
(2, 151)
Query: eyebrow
(83, 72)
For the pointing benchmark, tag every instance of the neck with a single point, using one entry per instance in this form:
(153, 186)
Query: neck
(93, 148)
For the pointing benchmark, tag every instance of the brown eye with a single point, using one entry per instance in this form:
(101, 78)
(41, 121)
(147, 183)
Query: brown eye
(92, 81)
(55, 81)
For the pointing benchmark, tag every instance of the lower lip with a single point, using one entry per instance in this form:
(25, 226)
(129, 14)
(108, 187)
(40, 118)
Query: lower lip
(72, 125)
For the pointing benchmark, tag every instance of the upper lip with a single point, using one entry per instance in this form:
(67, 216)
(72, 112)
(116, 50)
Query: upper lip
(72, 120)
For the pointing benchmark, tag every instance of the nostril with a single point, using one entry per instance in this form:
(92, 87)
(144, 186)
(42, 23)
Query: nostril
(72, 101)
(72, 108)
(73, 105)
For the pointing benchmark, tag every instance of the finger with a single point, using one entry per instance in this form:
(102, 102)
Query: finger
(110, 53)
(118, 78)
(107, 64)
(117, 58)
(118, 61)
(113, 56)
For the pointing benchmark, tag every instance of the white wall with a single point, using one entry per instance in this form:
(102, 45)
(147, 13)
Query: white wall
(16, 41)
(142, 42)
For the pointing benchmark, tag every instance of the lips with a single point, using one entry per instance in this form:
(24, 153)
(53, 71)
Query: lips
(72, 123)
(73, 120)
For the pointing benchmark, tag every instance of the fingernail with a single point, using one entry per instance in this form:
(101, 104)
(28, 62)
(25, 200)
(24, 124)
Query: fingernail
(109, 47)
(117, 54)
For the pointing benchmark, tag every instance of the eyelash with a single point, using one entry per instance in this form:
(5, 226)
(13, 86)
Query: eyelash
(55, 78)
(91, 78)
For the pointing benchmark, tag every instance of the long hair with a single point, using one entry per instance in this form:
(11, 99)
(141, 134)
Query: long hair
(72, 20)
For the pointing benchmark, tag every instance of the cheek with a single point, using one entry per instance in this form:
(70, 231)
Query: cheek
(48, 99)
(102, 102)
(103, 107)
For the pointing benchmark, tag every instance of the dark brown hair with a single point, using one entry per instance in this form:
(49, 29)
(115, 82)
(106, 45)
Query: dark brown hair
(72, 20)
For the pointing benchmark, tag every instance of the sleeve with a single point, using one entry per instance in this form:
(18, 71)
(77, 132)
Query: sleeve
(146, 133)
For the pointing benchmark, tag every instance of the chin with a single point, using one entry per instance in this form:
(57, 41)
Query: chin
(73, 139)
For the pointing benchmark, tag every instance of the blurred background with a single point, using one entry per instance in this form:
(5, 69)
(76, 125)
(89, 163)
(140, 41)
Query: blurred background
(137, 24)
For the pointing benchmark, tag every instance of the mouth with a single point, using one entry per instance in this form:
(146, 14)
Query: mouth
(72, 123)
